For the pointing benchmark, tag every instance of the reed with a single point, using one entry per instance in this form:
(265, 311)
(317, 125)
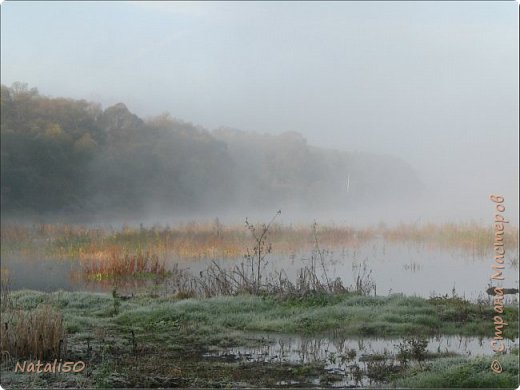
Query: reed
(469, 237)
(32, 334)
(5, 296)
(122, 265)
(189, 241)
(213, 240)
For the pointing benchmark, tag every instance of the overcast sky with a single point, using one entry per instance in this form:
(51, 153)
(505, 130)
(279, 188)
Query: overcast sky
(435, 83)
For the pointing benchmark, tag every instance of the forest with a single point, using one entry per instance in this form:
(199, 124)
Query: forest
(74, 157)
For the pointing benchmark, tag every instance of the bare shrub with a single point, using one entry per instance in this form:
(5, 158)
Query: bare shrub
(250, 276)
(364, 282)
(257, 259)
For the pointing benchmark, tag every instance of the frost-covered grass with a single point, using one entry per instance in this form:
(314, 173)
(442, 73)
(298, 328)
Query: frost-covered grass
(169, 335)
(347, 314)
(460, 372)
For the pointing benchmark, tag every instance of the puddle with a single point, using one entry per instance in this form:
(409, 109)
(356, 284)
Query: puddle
(349, 360)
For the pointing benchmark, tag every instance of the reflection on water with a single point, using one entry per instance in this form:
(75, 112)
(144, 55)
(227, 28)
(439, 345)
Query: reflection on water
(352, 358)
(412, 269)
(44, 274)
(41, 274)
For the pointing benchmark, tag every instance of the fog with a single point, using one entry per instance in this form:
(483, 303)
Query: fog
(373, 111)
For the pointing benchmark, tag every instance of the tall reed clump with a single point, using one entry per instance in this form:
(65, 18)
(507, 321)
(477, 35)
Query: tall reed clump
(123, 265)
(5, 296)
(32, 334)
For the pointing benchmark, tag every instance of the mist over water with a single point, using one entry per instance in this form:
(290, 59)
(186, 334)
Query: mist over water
(354, 113)
(300, 190)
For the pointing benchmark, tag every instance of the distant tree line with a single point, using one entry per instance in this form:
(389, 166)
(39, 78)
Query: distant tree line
(71, 156)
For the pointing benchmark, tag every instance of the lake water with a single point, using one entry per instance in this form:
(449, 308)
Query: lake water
(411, 269)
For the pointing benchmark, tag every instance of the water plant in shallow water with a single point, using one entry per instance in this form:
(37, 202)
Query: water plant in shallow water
(123, 265)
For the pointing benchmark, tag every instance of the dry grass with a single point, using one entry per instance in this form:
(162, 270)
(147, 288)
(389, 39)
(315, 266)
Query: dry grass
(190, 241)
(118, 265)
(34, 334)
(470, 237)
(214, 240)
(5, 299)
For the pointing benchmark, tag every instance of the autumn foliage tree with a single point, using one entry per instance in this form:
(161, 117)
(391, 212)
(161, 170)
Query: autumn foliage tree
(71, 156)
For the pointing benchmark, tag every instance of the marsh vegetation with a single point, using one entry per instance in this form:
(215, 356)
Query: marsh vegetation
(185, 304)
(146, 146)
(189, 305)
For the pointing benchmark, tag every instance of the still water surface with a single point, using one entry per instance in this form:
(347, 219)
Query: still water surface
(350, 358)
(410, 268)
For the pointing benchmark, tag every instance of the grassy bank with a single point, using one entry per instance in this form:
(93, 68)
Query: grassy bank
(150, 341)
(347, 314)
